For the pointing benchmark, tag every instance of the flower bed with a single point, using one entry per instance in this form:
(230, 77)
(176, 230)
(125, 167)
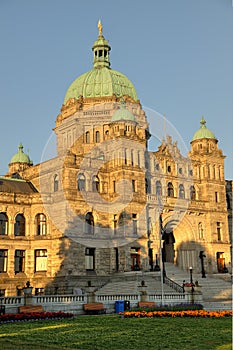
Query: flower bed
(187, 313)
(34, 316)
(175, 307)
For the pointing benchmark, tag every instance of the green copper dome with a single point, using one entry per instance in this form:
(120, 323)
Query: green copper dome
(101, 81)
(203, 132)
(20, 156)
(122, 114)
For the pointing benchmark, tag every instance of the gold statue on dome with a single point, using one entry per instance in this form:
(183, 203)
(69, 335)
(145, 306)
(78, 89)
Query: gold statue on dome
(100, 27)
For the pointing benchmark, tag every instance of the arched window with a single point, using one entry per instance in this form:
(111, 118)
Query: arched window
(158, 188)
(181, 191)
(89, 223)
(97, 136)
(170, 190)
(55, 183)
(95, 184)
(19, 226)
(87, 137)
(41, 225)
(81, 182)
(3, 224)
(192, 193)
(122, 219)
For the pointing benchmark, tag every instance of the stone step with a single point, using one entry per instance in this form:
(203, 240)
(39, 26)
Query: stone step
(216, 289)
(127, 286)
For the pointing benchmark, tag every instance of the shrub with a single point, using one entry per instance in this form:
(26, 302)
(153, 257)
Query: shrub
(34, 316)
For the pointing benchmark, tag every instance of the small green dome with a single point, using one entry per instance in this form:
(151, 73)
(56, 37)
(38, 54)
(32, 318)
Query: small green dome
(122, 114)
(20, 156)
(101, 81)
(203, 132)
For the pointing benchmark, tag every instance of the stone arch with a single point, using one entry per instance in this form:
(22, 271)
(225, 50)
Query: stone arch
(176, 233)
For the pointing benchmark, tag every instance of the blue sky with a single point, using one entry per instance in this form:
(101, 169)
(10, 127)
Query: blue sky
(177, 53)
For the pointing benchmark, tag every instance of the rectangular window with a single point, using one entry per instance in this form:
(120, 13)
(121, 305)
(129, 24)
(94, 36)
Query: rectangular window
(138, 158)
(219, 231)
(19, 261)
(133, 185)
(216, 197)
(90, 259)
(135, 224)
(132, 158)
(114, 186)
(41, 260)
(2, 292)
(115, 224)
(125, 156)
(3, 260)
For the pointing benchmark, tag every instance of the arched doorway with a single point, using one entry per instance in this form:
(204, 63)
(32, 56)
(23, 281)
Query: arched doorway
(168, 247)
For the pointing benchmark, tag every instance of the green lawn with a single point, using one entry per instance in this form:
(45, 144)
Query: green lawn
(114, 333)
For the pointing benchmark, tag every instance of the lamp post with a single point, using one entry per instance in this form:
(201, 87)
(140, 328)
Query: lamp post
(191, 282)
(191, 275)
(202, 256)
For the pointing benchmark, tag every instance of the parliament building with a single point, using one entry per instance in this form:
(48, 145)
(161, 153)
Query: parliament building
(106, 203)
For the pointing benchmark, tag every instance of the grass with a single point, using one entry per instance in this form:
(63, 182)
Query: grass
(115, 333)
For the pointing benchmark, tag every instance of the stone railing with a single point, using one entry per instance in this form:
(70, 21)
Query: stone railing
(74, 303)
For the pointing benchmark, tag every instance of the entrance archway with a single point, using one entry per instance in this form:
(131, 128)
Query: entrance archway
(168, 247)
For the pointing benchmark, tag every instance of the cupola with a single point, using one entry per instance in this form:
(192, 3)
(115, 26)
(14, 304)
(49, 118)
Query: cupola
(101, 80)
(203, 132)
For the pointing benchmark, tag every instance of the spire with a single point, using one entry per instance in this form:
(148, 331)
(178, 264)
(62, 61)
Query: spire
(101, 50)
(100, 27)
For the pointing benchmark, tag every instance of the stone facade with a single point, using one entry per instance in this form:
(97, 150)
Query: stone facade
(102, 204)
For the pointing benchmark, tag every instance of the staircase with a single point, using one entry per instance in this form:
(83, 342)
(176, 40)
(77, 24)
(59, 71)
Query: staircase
(130, 282)
(216, 288)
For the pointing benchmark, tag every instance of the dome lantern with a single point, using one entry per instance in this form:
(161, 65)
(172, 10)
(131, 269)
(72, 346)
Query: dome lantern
(101, 50)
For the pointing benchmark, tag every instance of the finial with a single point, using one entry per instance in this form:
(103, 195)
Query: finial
(203, 122)
(20, 146)
(100, 27)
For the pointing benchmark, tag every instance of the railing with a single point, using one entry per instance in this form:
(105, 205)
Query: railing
(12, 300)
(66, 299)
(176, 298)
(107, 298)
(178, 288)
(74, 303)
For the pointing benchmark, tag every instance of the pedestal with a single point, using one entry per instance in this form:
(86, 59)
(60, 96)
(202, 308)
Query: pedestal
(27, 296)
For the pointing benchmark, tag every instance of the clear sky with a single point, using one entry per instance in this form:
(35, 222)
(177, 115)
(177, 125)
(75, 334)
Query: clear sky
(177, 53)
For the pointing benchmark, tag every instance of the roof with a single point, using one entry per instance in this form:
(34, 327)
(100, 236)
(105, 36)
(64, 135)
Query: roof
(123, 114)
(203, 132)
(10, 185)
(20, 156)
(101, 80)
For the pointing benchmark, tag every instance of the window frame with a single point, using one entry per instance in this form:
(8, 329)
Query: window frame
(20, 225)
(4, 224)
(19, 260)
(41, 258)
(3, 260)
